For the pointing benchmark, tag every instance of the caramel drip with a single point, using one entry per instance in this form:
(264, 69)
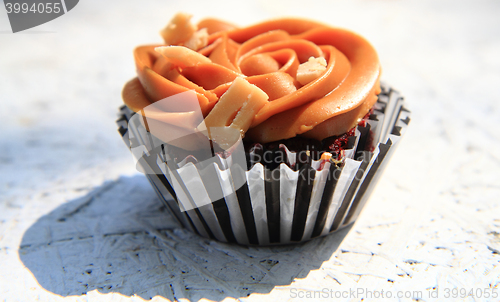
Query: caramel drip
(268, 55)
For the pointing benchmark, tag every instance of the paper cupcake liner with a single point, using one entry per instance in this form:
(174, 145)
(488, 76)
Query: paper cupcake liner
(281, 205)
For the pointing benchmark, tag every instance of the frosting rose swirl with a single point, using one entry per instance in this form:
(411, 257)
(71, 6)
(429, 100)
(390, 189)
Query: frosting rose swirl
(268, 55)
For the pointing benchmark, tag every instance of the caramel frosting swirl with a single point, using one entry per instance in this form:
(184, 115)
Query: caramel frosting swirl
(268, 55)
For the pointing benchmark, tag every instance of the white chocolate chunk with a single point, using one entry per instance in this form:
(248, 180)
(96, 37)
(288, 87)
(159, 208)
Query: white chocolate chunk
(225, 137)
(311, 70)
(179, 30)
(237, 107)
(198, 40)
(182, 56)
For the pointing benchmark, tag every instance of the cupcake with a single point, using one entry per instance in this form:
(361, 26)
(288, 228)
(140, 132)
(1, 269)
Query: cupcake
(269, 134)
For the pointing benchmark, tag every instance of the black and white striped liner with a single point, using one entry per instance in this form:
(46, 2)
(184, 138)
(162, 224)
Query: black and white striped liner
(278, 206)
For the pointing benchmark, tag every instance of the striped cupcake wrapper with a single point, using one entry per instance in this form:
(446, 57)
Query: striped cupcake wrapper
(278, 206)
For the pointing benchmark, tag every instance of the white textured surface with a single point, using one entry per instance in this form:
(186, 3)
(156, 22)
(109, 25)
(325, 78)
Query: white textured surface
(78, 224)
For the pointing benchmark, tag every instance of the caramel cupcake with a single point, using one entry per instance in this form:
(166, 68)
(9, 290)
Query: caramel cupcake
(268, 134)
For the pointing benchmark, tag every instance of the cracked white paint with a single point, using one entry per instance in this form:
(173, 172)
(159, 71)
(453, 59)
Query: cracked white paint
(76, 223)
